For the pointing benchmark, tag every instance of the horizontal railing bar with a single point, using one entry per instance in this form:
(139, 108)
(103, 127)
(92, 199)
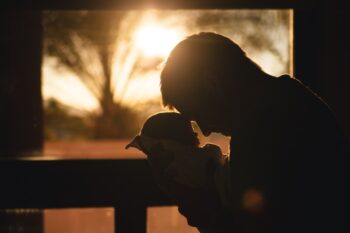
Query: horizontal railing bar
(77, 183)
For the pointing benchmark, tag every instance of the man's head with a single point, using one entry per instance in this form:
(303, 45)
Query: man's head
(203, 75)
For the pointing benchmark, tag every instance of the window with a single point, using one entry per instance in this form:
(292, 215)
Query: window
(101, 80)
(101, 69)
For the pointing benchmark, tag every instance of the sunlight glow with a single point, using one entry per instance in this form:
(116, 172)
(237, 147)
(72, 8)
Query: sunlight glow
(66, 88)
(156, 40)
(143, 89)
(146, 40)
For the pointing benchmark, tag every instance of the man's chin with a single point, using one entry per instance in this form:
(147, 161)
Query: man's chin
(223, 132)
(206, 134)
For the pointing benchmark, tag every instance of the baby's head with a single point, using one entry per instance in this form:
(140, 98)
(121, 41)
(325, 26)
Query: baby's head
(165, 126)
(170, 126)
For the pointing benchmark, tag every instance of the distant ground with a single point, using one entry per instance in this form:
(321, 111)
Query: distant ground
(114, 149)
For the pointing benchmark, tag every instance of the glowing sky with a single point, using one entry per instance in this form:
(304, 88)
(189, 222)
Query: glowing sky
(153, 38)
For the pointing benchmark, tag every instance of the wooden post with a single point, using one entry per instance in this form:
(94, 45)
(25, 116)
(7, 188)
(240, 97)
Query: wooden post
(21, 121)
(21, 124)
(130, 218)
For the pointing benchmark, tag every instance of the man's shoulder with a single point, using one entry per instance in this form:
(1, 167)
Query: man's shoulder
(303, 100)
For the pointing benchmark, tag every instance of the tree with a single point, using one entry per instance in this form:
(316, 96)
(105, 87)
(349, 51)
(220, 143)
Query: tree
(87, 43)
(60, 123)
(98, 47)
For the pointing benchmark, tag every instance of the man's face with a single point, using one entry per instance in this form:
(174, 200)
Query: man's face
(210, 116)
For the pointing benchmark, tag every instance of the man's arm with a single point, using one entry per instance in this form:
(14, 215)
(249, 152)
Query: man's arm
(201, 202)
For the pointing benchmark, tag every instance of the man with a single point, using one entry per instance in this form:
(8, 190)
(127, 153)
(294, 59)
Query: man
(286, 148)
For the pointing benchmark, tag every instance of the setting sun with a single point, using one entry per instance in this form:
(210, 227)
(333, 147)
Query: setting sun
(156, 40)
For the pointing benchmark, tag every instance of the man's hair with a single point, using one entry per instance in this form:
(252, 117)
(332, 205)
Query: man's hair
(170, 126)
(199, 58)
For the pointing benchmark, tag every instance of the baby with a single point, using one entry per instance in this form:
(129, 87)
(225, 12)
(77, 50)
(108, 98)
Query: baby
(161, 127)
(172, 148)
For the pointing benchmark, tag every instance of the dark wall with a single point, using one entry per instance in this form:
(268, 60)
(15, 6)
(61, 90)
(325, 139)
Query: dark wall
(20, 85)
(335, 79)
(322, 55)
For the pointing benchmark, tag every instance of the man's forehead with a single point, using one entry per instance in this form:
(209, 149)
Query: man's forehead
(186, 111)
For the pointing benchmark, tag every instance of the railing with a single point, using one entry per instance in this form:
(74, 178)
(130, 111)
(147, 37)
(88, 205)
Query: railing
(126, 185)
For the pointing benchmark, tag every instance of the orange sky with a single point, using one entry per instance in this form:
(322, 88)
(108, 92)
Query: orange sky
(151, 38)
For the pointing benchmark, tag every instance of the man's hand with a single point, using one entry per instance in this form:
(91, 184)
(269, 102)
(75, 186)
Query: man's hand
(190, 166)
(189, 181)
(198, 205)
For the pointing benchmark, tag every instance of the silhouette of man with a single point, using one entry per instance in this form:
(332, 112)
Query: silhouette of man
(286, 147)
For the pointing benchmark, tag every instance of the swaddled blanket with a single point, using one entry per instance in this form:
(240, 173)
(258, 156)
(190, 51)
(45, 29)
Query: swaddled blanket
(193, 167)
